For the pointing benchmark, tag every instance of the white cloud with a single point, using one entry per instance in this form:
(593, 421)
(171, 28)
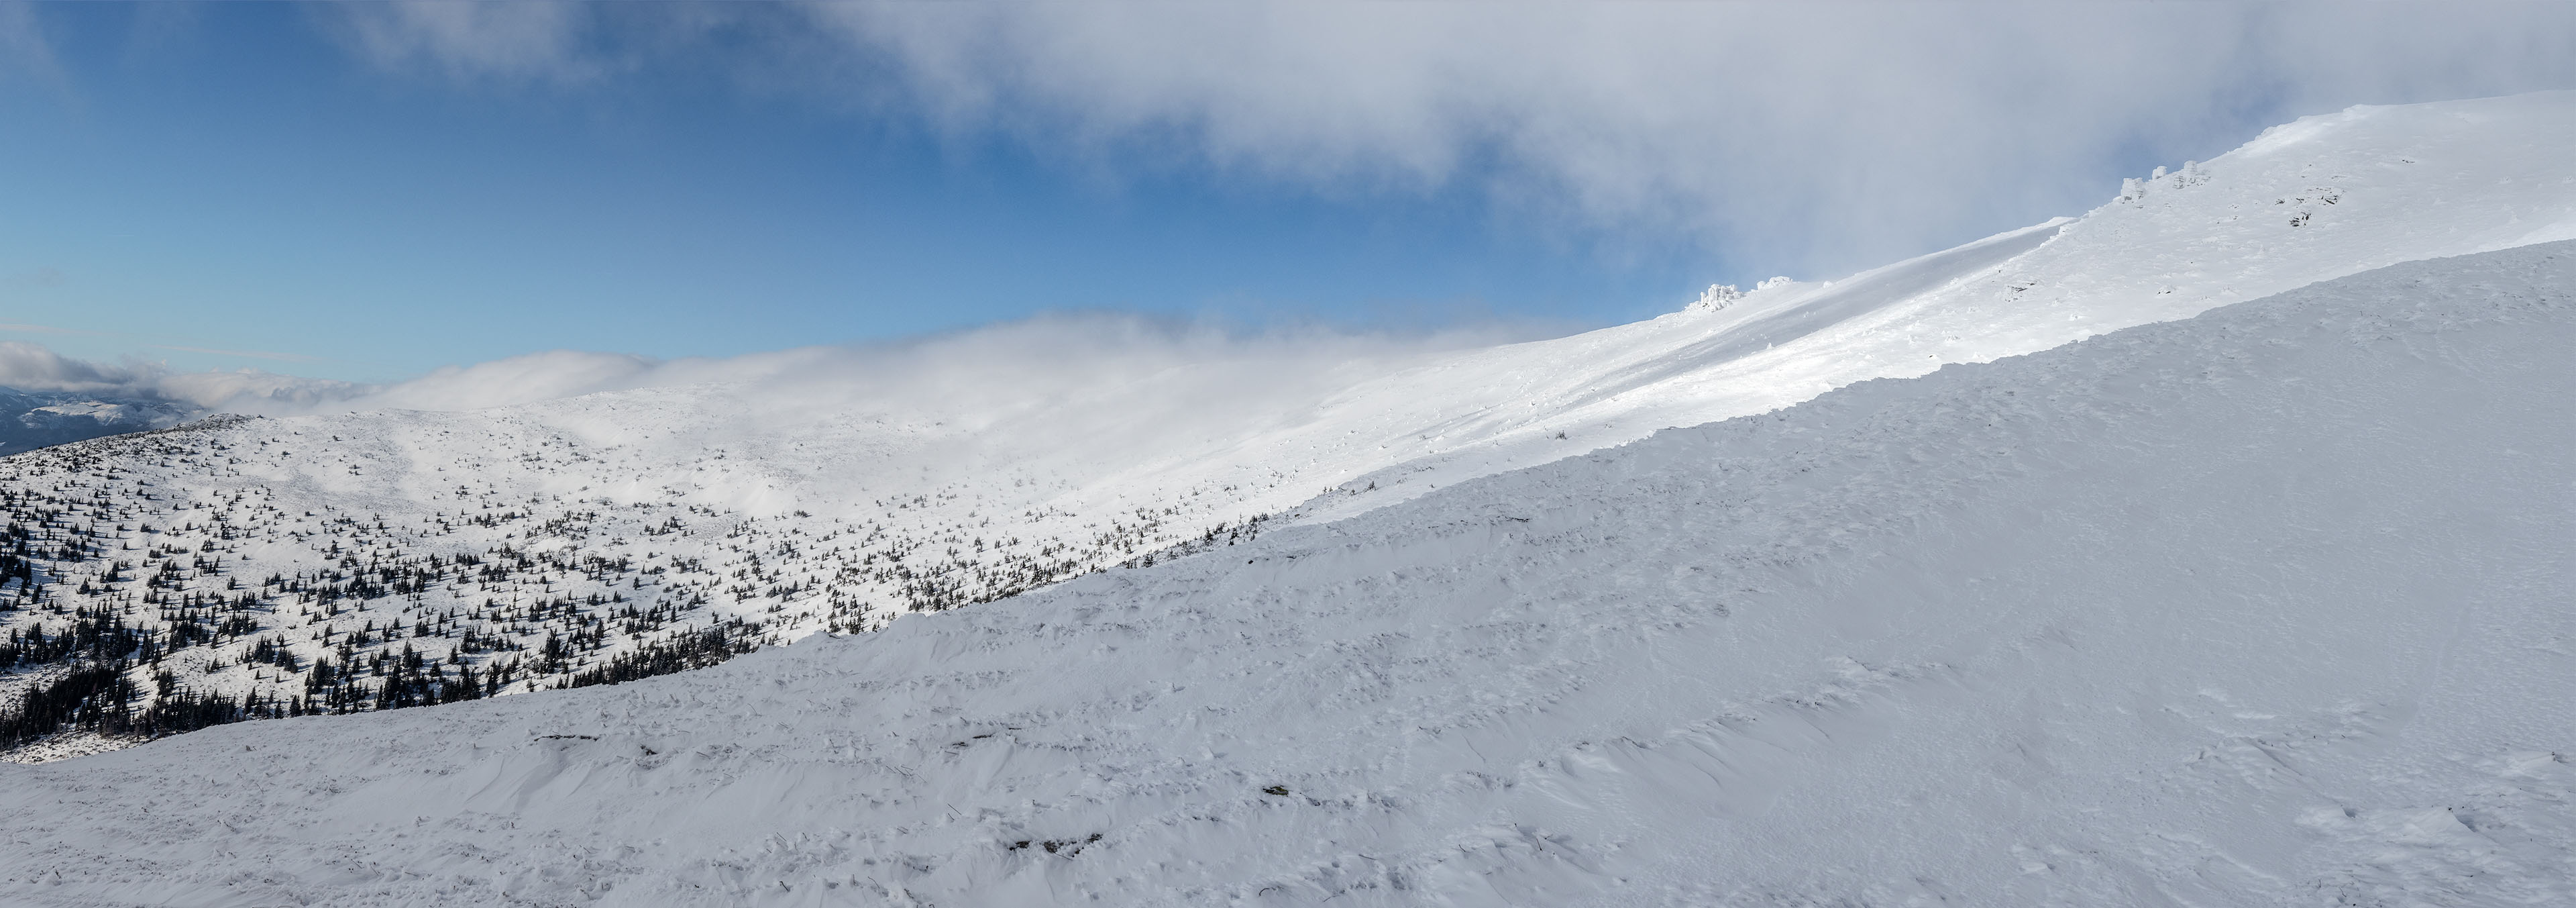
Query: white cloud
(473, 39)
(1807, 136)
(1811, 138)
(518, 379)
(33, 367)
(1013, 366)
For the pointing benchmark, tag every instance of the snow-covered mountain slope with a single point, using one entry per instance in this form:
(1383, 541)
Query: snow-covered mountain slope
(2268, 606)
(36, 419)
(646, 529)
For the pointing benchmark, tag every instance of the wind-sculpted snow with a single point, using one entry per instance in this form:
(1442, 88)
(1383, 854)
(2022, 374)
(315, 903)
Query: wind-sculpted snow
(159, 582)
(2263, 607)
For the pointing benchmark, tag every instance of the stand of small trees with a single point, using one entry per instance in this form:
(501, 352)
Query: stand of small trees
(687, 650)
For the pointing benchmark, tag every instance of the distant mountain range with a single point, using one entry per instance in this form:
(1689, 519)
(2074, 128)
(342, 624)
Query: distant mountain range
(36, 419)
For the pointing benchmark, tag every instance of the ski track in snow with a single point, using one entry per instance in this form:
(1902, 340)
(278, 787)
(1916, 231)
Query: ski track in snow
(2269, 606)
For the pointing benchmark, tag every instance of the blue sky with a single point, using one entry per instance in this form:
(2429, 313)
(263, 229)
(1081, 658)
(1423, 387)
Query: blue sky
(238, 182)
(367, 194)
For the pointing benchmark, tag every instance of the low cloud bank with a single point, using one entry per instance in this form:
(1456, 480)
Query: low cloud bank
(34, 367)
(1014, 367)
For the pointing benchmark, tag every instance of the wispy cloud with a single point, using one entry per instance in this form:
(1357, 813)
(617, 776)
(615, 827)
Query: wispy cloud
(1822, 136)
(245, 354)
(1021, 369)
(473, 40)
(24, 49)
(33, 367)
(1012, 365)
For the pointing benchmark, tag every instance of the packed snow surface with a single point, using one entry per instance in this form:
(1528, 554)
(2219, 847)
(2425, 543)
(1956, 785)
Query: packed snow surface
(614, 523)
(2268, 606)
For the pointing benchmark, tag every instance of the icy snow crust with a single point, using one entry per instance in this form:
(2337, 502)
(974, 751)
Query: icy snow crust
(782, 511)
(2268, 606)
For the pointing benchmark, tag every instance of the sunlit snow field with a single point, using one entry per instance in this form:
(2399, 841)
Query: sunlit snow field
(798, 495)
(2210, 548)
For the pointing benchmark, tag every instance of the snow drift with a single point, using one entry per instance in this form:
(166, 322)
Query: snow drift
(2266, 606)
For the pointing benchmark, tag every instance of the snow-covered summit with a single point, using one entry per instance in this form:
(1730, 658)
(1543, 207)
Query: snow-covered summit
(2263, 607)
(36, 419)
(429, 555)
